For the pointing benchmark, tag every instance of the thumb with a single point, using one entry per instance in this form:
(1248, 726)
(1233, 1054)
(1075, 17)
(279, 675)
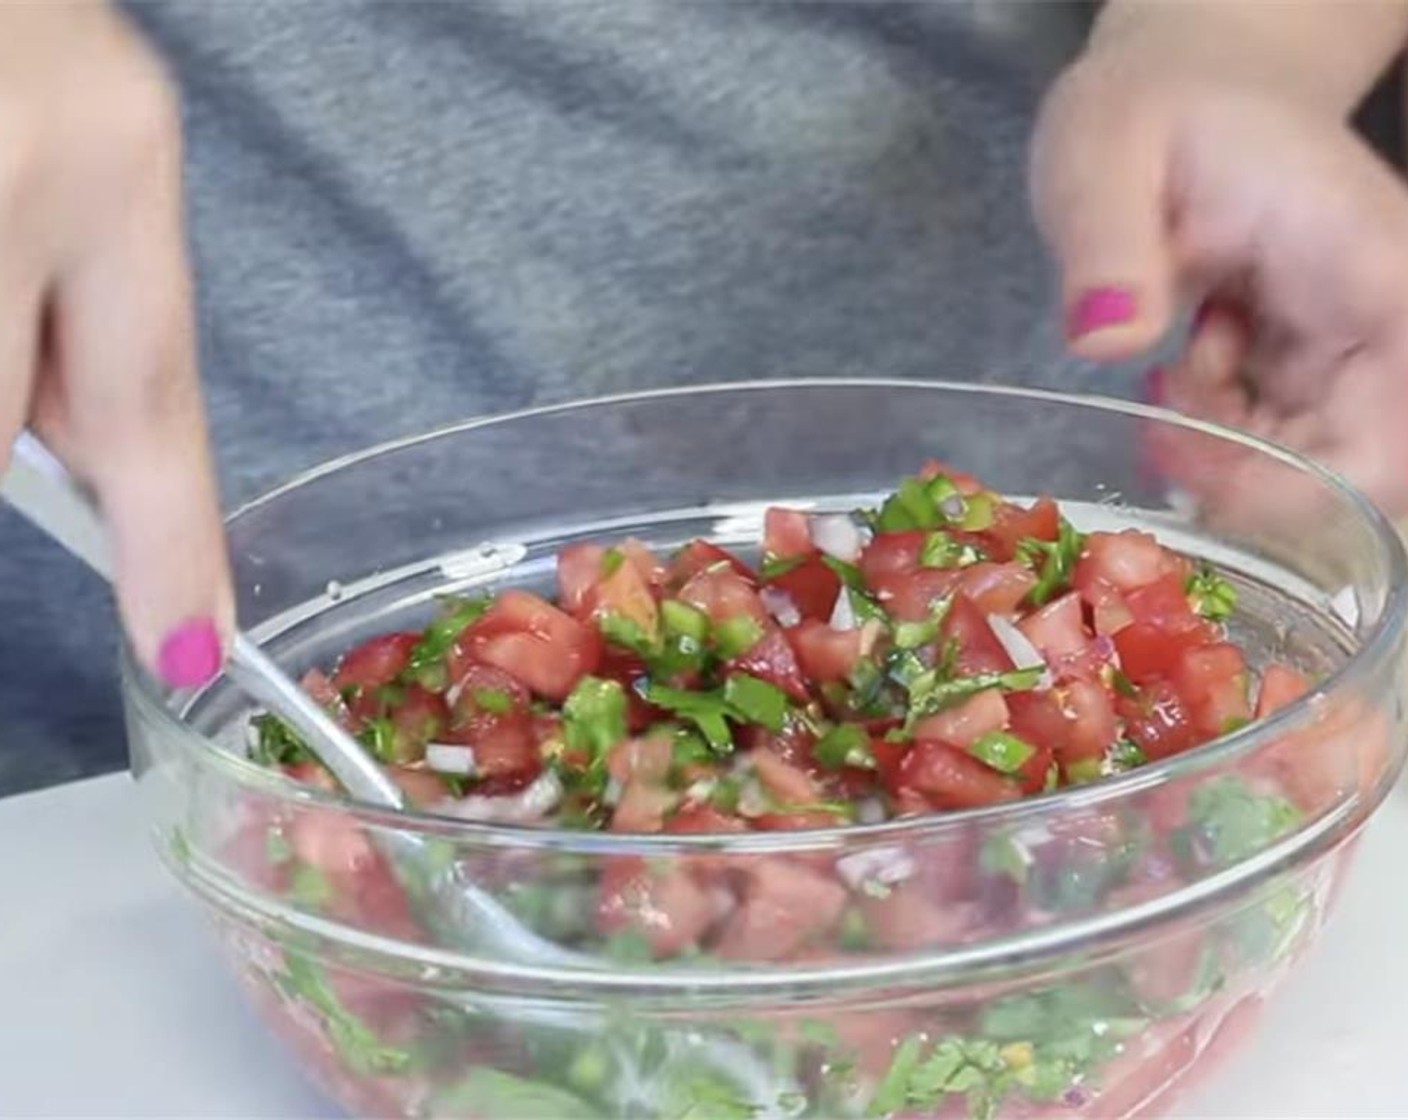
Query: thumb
(1099, 192)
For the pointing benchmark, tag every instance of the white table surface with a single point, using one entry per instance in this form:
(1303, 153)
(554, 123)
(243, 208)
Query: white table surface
(116, 1005)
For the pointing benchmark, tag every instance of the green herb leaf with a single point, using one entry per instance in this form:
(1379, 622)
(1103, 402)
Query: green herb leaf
(928, 693)
(682, 620)
(756, 701)
(594, 716)
(774, 566)
(356, 1043)
(439, 637)
(943, 550)
(1229, 822)
(735, 636)
(486, 1091)
(846, 744)
(276, 743)
(1210, 595)
(706, 710)
(1002, 751)
(611, 561)
(493, 700)
(913, 635)
(379, 736)
(309, 887)
(1124, 755)
(1054, 561)
(627, 633)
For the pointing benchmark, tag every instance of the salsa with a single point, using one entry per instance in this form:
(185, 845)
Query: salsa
(947, 650)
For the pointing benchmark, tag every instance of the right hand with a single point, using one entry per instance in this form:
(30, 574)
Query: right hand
(97, 342)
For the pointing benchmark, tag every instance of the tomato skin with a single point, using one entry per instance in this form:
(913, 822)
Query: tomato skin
(1280, 686)
(723, 594)
(824, 655)
(1012, 524)
(771, 659)
(812, 586)
(979, 651)
(376, 662)
(965, 723)
(625, 593)
(1213, 682)
(504, 745)
(579, 569)
(1093, 720)
(949, 778)
(889, 554)
(1164, 603)
(700, 555)
(1149, 653)
(1038, 718)
(1057, 629)
(665, 905)
(1109, 612)
(786, 533)
(528, 638)
(1157, 719)
(996, 588)
(1125, 561)
(912, 596)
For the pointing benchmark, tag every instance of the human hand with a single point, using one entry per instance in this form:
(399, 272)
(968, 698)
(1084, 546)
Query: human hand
(97, 348)
(1159, 179)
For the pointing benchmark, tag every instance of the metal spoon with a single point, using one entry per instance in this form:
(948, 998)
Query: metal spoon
(460, 913)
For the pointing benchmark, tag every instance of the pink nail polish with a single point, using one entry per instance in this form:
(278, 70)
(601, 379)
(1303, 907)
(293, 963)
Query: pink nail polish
(190, 656)
(1100, 308)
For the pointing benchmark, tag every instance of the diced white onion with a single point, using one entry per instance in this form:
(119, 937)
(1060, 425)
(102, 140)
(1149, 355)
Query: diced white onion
(837, 536)
(843, 616)
(752, 801)
(779, 604)
(524, 807)
(450, 758)
(870, 810)
(1019, 647)
(886, 866)
(612, 794)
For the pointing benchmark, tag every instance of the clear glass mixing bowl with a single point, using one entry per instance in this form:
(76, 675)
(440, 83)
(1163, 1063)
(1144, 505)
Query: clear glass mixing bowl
(1081, 953)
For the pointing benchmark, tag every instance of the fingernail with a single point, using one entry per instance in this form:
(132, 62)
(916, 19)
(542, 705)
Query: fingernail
(1156, 386)
(1100, 308)
(190, 655)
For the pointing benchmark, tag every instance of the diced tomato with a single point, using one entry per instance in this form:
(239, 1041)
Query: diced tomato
(485, 689)
(1109, 612)
(639, 555)
(1165, 972)
(312, 774)
(798, 820)
(965, 723)
(625, 593)
(1157, 719)
(912, 596)
(823, 654)
(421, 787)
(642, 807)
(786, 533)
(1213, 681)
(996, 588)
(246, 853)
(787, 783)
(504, 745)
(420, 717)
(909, 918)
(786, 904)
(1149, 653)
(579, 569)
(704, 818)
(319, 686)
(1164, 604)
(699, 556)
(771, 659)
(527, 637)
(1280, 686)
(1013, 524)
(363, 887)
(1126, 560)
(1057, 629)
(950, 778)
(890, 554)
(979, 651)
(723, 594)
(665, 904)
(646, 759)
(1036, 771)
(376, 662)
(1093, 724)
(812, 586)
(1039, 718)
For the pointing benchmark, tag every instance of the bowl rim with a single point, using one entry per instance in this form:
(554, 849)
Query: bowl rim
(1384, 635)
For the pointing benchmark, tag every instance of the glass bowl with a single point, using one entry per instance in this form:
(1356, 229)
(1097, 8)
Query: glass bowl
(1082, 953)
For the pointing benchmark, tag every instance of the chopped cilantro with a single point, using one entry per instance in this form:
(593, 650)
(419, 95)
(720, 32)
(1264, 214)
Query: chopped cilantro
(493, 700)
(1002, 751)
(611, 561)
(930, 693)
(276, 743)
(1228, 822)
(486, 1091)
(620, 630)
(309, 887)
(1124, 755)
(706, 710)
(277, 849)
(1054, 561)
(684, 621)
(846, 744)
(913, 635)
(849, 573)
(774, 567)
(735, 636)
(943, 550)
(427, 662)
(594, 716)
(756, 701)
(1123, 685)
(379, 736)
(1210, 595)
(1003, 855)
(357, 1043)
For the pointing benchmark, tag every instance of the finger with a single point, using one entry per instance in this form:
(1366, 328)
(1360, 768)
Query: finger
(126, 348)
(1207, 382)
(1099, 176)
